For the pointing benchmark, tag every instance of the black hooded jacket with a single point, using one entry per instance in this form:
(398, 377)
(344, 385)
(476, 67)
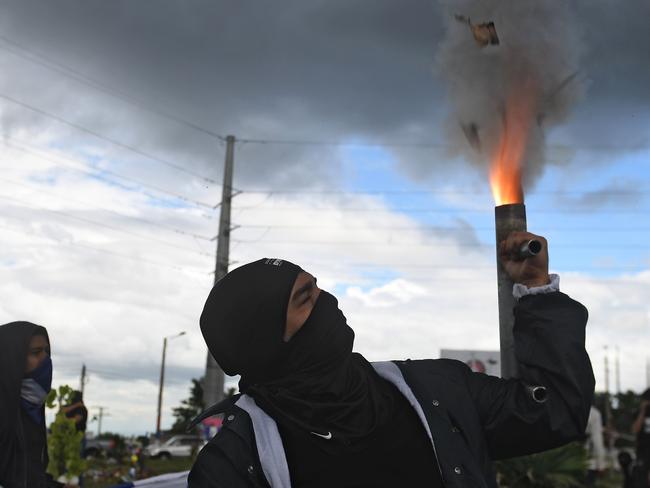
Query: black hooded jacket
(473, 418)
(23, 446)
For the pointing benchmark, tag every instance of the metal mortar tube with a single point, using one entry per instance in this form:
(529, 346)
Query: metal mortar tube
(508, 218)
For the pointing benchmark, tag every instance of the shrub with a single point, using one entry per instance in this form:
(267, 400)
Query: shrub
(63, 442)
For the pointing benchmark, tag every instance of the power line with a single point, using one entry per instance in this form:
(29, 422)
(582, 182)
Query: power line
(118, 376)
(428, 210)
(98, 173)
(112, 253)
(122, 145)
(436, 227)
(424, 145)
(388, 242)
(139, 219)
(307, 142)
(65, 70)
(484, 290)
(58, 67)
(272, 192)
(450, 267)
(102, 224)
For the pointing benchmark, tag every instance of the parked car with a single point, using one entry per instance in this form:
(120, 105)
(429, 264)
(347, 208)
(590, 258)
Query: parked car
(96, 447)
(177, 446)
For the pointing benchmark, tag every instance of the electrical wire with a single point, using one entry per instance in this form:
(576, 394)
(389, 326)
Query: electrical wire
(435, 227)
(30, 55)
(59, 67)
(118, 214)
(307, 142)
(129, 257)
(85, 169)
(376, 243)
(122, 145)
(102, 224)
(425, 266)
(640, 191)
(424, 145)
(426, 210)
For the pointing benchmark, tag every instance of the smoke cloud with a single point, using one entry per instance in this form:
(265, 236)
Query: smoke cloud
(538, 52)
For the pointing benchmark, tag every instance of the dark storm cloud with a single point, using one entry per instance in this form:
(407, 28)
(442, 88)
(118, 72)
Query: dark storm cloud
(332, 70)
(616, 194)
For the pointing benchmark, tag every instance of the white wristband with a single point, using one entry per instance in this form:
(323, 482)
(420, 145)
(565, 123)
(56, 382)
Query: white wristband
(519, 290)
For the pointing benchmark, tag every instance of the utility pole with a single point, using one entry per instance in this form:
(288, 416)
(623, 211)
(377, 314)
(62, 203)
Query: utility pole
(100, 417)
(82, 383)
(160, 387)
(608, 407)
(213, 383)
(618, 371)
(162, 380)
(607, 400)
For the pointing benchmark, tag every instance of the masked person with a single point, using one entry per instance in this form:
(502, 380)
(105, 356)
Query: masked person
(25, 381)
(312, 413)
(77, 411)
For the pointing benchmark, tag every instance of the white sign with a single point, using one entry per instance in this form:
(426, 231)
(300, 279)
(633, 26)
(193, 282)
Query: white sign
(488, 362)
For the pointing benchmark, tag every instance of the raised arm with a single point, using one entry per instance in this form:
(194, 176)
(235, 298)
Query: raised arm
(518, 416)
(549, 337)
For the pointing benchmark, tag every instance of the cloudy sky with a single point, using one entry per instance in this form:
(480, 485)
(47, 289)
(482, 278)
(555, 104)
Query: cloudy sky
(111, 116)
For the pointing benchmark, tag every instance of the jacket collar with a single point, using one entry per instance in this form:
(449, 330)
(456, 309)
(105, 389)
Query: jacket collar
(221, 407)
(268, 440)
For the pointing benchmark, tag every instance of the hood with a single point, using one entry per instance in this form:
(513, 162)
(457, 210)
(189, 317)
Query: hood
(14, 344)
(245, 315)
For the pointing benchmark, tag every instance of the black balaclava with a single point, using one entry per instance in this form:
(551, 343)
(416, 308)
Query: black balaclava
(313, 382)
(14, 346)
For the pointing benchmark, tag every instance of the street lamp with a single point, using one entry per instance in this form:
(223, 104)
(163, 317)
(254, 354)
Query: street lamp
(162, 379)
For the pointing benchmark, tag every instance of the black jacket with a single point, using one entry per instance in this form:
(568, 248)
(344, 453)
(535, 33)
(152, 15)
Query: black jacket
(23, 446)
(473, 418)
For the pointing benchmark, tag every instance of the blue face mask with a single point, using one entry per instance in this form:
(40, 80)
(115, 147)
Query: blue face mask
(34, 390)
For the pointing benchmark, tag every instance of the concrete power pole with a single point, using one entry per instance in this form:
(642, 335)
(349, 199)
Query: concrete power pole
(83, 379)
(160, 387)
(618, 371)
(100, 417)
(213, 383)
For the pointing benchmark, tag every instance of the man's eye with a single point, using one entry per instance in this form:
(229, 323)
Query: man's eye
(307, 298)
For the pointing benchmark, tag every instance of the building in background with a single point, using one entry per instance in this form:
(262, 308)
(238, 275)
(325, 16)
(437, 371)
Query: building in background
(487, 362)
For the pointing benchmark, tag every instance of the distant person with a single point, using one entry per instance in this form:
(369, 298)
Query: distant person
(641, 427)
(77, 411)
(314, 414)
(25, 381)
(595, 445)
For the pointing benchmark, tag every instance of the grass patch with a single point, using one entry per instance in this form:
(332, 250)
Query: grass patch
(103, 473)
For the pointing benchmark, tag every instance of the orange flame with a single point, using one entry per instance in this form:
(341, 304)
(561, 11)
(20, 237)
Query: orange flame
(507, 163)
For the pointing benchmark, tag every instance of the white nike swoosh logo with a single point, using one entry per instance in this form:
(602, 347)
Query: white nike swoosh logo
(327, 436)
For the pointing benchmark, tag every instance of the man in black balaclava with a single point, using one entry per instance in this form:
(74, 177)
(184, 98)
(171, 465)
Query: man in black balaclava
(312, 413)
(25, 381)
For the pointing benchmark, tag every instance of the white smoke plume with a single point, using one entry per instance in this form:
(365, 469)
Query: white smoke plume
(539, 47)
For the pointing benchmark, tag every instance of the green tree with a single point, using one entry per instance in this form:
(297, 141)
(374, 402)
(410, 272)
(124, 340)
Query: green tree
(190, 408)
(564, 467)
(627, 407)
(64, 442)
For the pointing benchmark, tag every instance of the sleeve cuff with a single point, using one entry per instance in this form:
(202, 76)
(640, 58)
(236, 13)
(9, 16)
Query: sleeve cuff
(519, 290)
